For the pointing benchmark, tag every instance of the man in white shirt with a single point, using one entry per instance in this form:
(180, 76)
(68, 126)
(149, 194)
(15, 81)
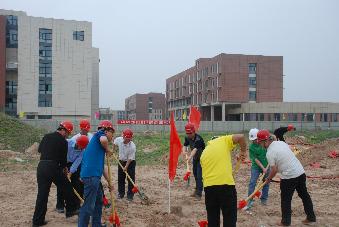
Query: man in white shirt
(127, 151)
(282, 160)
(85, 126)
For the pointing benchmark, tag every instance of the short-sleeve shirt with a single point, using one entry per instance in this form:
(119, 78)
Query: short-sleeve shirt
(280, 155)
(198, 143)
(257, 152)
(216, 162)
(126, 151)
(76, 136)
(93, 158)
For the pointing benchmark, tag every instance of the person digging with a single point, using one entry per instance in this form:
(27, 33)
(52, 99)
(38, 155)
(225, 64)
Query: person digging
(259, 166)
(92, 169)
(280, 132)
(282, 160)
(127, 151)
(219, 184)
(196, 144)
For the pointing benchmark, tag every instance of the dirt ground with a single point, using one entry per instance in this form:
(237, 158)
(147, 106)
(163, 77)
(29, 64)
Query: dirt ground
(18, 191)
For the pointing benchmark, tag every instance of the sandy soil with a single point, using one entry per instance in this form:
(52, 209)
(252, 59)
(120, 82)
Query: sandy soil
(18, 191)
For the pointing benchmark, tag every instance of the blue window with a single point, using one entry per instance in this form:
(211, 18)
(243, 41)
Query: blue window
(252, 95)
(252, 68)
(79, 35)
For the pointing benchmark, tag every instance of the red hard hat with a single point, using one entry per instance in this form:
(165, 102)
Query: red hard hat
(290, 127)
(85, 125)
(263, 135)
(189, 128)
(82, 142)
(67, 125)
(105, 124)
(127, 133)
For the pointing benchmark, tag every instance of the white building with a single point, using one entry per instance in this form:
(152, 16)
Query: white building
(50, 67)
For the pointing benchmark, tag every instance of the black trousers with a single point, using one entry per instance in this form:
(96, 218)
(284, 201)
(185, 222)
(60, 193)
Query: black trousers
(76, 184)
(224, 198)
(122, 177)
(48, 172)
(287, 187)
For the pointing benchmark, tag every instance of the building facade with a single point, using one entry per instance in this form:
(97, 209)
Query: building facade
(288, 111)
(217, 85)
(48, 67)
(151, 106)
(112, 115)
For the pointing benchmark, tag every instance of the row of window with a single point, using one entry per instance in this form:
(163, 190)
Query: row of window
(12, 32)
(197, 76)
(45, 35)
(45, 68)
(310, 117)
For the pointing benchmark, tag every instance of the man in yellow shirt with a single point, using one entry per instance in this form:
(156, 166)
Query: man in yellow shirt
(217, 174)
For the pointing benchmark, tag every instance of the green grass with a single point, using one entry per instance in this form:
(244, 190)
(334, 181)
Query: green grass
(314, 137)
(17, 136)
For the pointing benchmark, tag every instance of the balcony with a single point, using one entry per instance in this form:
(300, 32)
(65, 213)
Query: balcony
(12, 66)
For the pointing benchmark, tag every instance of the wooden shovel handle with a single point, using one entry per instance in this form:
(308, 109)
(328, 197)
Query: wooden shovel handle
(110, 184)
(255, 191)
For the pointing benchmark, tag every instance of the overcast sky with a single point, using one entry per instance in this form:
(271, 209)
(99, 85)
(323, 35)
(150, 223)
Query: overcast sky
(143, 42)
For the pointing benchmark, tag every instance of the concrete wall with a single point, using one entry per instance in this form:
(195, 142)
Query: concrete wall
(205, 126)
(95, 83)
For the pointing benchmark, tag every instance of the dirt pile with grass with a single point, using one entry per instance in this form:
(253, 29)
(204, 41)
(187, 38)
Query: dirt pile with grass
(17, 136)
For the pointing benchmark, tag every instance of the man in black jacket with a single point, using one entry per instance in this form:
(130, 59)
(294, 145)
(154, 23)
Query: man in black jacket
(52, 168)
(279, 132)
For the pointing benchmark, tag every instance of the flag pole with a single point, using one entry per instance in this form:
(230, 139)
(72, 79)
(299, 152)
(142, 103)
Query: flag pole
(169, 196)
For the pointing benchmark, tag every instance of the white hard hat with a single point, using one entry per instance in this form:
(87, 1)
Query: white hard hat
(252, 135)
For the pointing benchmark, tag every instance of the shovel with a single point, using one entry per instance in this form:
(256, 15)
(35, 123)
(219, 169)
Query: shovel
(243, 203)
(187, 176)
(135, 189)
(261, 178)
(114, 218)
(75, 192)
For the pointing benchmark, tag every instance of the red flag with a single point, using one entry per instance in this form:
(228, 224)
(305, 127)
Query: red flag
(194, 117)
(175, 150)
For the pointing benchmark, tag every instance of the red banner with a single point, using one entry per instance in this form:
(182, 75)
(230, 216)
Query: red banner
(143, 122)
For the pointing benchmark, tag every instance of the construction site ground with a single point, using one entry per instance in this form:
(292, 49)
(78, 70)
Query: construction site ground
(18, 190)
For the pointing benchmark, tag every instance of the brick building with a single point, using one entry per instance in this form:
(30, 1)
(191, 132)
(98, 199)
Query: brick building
(151, 106)
(218, 85)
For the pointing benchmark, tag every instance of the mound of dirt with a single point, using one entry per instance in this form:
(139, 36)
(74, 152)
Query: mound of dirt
(301, 140)
(32, 149)
(317, 152)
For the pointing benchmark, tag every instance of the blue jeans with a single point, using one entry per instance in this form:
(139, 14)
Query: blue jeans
(92, 205)
(197, 172)
(255, 172)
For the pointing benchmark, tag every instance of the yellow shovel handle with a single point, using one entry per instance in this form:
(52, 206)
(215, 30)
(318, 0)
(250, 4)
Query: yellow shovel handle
(110, 184)
(75, 192)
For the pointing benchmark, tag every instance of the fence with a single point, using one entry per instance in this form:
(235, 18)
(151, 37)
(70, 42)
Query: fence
(205, 126)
